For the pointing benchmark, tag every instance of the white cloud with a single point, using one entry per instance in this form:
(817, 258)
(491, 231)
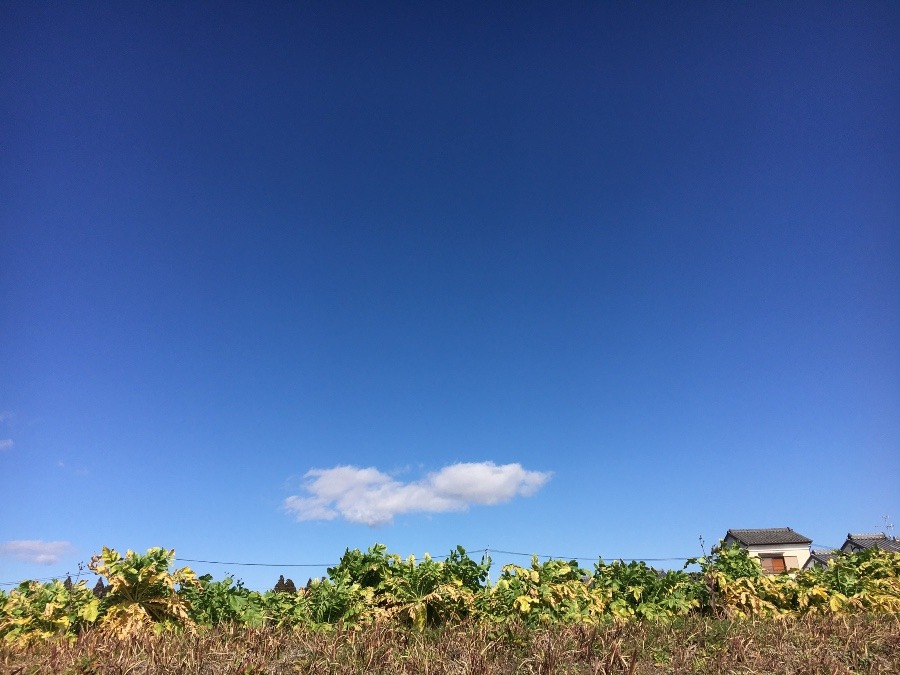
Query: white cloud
(6, 443)
(35, 551)
(371, 497)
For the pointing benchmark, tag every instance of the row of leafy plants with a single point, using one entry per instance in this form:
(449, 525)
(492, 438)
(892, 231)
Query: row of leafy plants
(145, 591)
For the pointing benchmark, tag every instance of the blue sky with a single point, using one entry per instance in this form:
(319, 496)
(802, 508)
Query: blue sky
(577, 279)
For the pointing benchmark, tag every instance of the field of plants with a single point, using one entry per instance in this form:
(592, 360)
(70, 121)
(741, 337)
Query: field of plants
(378, 612)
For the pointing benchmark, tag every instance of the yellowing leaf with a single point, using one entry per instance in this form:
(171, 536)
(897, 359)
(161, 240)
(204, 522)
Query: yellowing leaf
(90, 610)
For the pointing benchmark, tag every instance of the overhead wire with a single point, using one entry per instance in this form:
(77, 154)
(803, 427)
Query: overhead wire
(487, 550)
(260, 564)
(594, 559)
(253, 564)
(76, 577)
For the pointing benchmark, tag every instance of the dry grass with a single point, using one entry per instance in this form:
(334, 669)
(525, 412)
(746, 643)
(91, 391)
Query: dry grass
(829, 645)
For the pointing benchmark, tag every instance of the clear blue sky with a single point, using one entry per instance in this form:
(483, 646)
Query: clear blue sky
(573, 278)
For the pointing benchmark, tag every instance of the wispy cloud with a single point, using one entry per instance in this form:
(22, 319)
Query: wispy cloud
(6, 418)
(79, 471)
(35, 550)
(366, 495)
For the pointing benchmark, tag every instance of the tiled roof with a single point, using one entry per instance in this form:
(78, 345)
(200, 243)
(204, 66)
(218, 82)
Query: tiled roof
(891, 545)
(878, 540)
(821, 556)
(874, 535)
(769, 535)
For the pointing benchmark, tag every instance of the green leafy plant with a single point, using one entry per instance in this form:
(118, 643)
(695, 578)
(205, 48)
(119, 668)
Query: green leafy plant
(383, 591)
(339, 601)
(214, 603)
(417, 593)
(35, 611)
(635, 589)
(142, 591)
(556, 591)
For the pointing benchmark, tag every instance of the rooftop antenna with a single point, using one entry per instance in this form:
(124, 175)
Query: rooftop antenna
(888, 525)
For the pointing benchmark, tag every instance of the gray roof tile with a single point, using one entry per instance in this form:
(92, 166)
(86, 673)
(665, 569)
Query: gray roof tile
(878, 540)
(769, 535)
(873, 535)
(820, 556)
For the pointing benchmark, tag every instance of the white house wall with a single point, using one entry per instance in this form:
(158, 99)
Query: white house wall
(801, 553)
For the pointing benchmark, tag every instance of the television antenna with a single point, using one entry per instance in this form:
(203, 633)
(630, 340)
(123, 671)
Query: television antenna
(888, 525)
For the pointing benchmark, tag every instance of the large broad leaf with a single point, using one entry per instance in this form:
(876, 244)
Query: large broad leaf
(90, 611)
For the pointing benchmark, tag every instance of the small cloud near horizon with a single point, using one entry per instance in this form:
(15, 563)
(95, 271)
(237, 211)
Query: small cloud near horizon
(35, 550)
(6, 418)
(370, 497)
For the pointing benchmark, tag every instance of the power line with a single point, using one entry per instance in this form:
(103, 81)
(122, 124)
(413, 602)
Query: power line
(217, 562)
(261, 564)
(486, 549)
(594, 559)
(56, 578)
(254, 564)
(25, 581)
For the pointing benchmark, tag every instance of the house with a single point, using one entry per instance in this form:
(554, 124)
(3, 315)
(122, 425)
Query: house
(779, 549)
(819, 558)
(858, 542)
(853, 544)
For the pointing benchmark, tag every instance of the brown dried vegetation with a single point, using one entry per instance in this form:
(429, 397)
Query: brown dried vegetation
(849, 644)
